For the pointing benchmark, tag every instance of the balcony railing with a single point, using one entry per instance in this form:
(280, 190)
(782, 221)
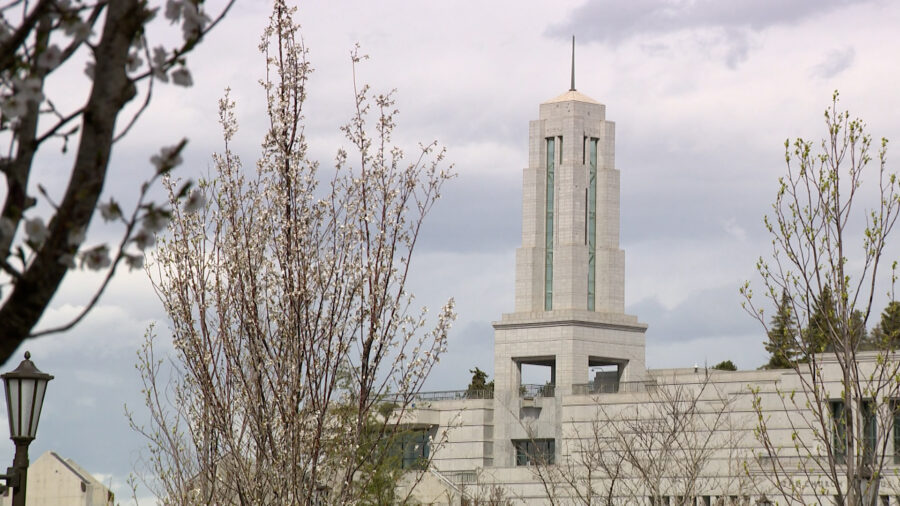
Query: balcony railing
(444, 395)
(612, 387)
(533, 391)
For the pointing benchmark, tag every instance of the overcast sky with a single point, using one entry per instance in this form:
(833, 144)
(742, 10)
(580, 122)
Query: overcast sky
(703, 94)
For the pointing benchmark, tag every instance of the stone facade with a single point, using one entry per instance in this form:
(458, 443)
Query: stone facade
(569, 316)
(55, 481)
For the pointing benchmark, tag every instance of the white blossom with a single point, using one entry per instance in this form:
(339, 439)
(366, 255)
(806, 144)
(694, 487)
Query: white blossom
(134, 261)
(13, 107)
(68, 260)
(76, 237)
(36, 231)
(29, 89)
(182, 77)
(173, 10)
(96, 258)
(167, 158)
(159, 63)
(134, 61)
(7, 229)
(195, 201)
(77, 29)
(144, 239)
(110, 211)
(50, 58)
(194, 21)
(89, 70)
(155, 221)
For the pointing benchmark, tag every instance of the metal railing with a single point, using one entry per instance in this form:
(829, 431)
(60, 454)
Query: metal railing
(611, 387)
(532, 391)
(443, 395)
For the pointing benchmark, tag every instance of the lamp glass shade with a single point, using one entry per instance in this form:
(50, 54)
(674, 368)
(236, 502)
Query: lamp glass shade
(25, 389)
(12, 403)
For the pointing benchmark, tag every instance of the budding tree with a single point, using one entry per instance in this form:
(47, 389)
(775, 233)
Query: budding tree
(825, 269)
(680, 441)
(38, 42)
(291, 319)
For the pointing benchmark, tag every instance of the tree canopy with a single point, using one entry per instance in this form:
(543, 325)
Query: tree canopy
(37, 40)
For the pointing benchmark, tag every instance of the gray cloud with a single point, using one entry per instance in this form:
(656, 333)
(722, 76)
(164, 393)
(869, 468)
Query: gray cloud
(476, 213)
(610, 21)
(710, 313)
(834, 63)
(731, 23)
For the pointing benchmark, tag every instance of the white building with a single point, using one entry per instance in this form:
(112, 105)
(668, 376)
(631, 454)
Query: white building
(569, 317)
(55, 481)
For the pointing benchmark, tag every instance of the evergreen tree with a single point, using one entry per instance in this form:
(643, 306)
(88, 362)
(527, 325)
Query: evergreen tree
(725, 365)
(781, 345)
(479, 386)
(887, 333)
(825, 327)
(821, 325)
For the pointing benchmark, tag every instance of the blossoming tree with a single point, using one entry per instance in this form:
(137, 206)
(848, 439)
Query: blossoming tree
(297, 350)
(37, 40)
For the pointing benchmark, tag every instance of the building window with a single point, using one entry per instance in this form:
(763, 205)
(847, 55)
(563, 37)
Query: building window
(592, 227)
(895, 411)
(869, 431)
(560, 150)
(412, 449)
(548, 244)
(534, 451)
(839, 431)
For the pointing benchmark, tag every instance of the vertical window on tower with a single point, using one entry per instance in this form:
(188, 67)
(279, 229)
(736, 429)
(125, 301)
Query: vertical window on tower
(548, 245)
(592, 226)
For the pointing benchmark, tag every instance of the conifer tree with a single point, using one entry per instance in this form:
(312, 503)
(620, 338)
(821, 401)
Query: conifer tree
(887, 333)
(821, 324)
(781, 345)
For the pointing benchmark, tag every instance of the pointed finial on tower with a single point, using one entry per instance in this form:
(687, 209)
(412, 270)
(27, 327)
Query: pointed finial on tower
(572, 88)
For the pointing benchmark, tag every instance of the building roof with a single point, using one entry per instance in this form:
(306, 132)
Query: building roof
(572, 95)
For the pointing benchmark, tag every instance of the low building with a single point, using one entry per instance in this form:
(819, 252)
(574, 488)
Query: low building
(55, 481)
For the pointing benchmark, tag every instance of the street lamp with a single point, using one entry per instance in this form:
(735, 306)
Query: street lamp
(25, 388)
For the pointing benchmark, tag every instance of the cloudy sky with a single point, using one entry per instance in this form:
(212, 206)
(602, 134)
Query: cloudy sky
(703, 94)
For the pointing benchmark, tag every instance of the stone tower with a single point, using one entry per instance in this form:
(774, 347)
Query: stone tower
(569, 303)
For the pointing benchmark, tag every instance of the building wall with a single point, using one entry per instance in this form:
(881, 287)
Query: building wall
(54, 481)
(723, 431)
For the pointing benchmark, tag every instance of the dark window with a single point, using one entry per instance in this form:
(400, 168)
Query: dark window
(534, 451)
(870, 430)
(839, 431)
(869, 420)
(412, 448)
(895, 410)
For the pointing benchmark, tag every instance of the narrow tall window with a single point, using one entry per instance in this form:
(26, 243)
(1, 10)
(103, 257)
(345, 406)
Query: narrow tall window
(839, 431)
(592, 227)
(870, 429)
(548, 245)
(895, 411)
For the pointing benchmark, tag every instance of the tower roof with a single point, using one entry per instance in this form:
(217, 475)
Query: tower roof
(572, 95)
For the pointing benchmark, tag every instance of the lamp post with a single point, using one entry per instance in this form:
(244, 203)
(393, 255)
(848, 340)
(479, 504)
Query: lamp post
(25, 388)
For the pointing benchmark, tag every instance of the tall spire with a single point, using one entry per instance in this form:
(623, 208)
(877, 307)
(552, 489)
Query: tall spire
(572, 88)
